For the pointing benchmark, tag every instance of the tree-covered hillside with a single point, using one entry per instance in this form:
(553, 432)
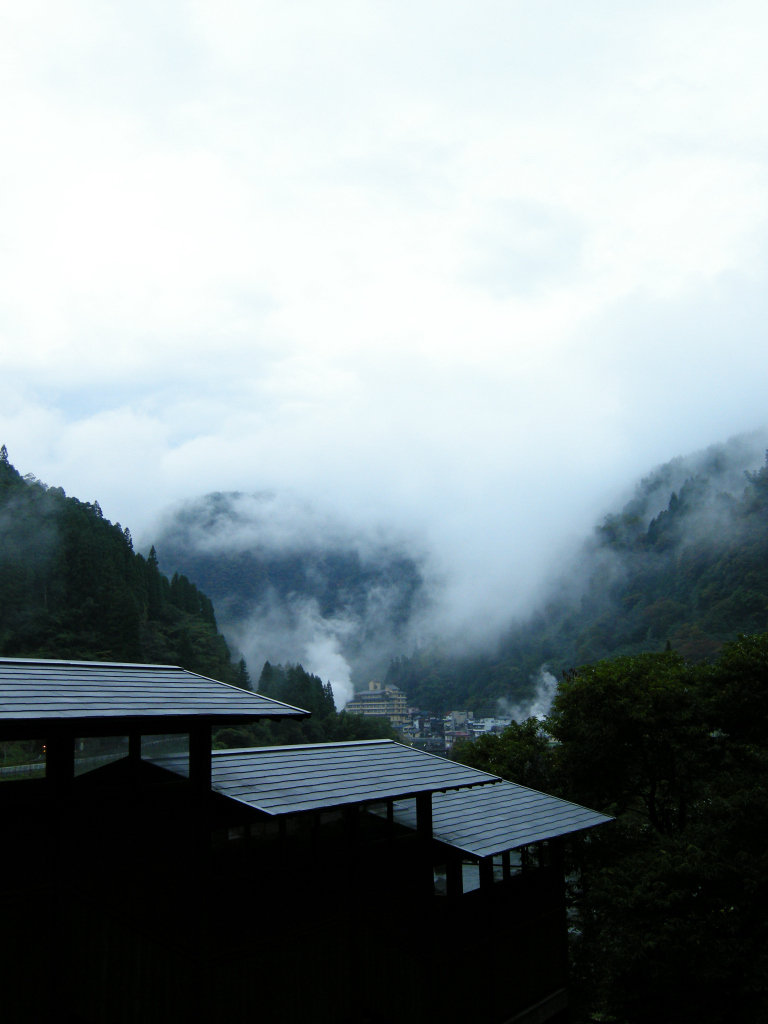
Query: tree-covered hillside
(684, 563)
(285, 577)
(668, 902)
(71, 586)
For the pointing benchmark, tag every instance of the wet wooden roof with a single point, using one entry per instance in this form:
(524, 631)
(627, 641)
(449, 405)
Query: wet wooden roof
(40, 690)
(494, 819)
(287, 780)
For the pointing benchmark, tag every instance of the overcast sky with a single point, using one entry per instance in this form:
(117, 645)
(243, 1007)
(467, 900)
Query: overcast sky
(464, 268)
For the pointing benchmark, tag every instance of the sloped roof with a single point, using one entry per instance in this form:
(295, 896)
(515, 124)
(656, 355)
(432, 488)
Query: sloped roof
(286, 780)
(493, 819)
(35, 689)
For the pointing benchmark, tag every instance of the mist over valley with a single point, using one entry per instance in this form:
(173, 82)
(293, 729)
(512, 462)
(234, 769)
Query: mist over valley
(684, 561)
(292, 584)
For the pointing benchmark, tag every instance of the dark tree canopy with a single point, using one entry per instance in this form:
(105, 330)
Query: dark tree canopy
(668, 902)
(71, 586)
(693, 575)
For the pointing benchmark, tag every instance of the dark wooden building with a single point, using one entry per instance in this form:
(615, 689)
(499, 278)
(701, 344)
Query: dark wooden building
(147, 878)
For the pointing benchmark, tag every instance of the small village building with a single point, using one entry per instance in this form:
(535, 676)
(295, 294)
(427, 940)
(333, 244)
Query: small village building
(149, 878)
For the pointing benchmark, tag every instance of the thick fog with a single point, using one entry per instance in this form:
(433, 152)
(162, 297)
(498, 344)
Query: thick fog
(461, 272)
(293, 583)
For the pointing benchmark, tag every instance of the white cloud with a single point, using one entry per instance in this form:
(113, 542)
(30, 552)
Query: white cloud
(466, 267)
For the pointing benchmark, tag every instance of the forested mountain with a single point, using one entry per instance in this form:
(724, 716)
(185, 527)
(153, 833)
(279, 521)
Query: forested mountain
(71, 586)
(290, 581)
(685, 562)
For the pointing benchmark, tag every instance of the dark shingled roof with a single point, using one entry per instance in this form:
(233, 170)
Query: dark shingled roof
(285, 780)
(494, 819)
(37, 690)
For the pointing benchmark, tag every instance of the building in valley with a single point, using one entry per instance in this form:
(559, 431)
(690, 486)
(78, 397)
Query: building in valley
(381, 701)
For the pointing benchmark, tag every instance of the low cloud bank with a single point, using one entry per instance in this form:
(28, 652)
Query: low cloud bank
(292, 583)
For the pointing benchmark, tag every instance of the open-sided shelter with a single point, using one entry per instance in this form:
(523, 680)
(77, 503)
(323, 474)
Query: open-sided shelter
(152, 879)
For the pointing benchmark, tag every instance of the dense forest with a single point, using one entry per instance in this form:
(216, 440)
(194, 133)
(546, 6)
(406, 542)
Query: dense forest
(692, 574)
(668, 902)
(71, 586)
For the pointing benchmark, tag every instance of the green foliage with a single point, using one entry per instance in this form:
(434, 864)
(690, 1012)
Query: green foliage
(291, 684)
(668, 902)
(522, 753)
(695, 574)
(71, 586)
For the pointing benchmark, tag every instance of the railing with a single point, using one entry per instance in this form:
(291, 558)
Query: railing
(35, 768)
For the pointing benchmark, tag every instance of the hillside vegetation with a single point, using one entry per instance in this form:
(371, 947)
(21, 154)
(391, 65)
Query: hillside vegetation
(71, 586)
(285, 577)
(692, 573)
(667, 902)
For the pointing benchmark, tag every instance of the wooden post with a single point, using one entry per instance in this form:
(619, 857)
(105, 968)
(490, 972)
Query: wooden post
(134, 754)
(486, 873)
(424, 832)
(505, 865)
(60, 760)
(60, 774)
(200, 757)
(351, 814)
(424, 815)
(200, 783)
(454, 882)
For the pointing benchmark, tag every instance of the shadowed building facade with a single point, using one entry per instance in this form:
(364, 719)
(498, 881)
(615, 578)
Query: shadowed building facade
(341, 882)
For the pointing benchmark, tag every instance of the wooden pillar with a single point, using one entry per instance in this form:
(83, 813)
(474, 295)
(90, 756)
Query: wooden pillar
(454, 881)
(60, 760)
(424, 815)
(315, 831)
(351, 814)
(134, 746)
(134, 754)
(200, 757)
(200, 784)
(60, 774)
(505, 865)
(424, 832)
(486, 873)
